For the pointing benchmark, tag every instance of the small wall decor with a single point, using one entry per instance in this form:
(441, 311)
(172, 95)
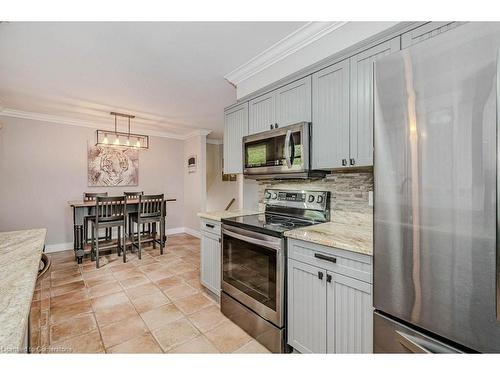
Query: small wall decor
(113, 166)
(228, 177)
(191, 164)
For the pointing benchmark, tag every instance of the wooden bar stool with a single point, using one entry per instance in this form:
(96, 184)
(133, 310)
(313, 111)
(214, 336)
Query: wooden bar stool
(110, 212)
(90, 197)
(151, 211)
(132, 195)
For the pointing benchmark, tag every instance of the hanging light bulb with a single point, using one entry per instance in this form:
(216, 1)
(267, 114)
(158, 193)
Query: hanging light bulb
(117, 141)
(105, 140)
(138, 143)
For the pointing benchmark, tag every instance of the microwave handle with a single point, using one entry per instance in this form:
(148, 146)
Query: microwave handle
(288, 157)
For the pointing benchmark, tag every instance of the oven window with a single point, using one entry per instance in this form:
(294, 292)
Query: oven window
(251, 269)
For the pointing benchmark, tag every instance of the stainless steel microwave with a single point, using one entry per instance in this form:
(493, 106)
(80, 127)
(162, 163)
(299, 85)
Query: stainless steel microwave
(279, 153)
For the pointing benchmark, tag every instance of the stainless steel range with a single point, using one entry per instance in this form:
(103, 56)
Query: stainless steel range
(254, 262)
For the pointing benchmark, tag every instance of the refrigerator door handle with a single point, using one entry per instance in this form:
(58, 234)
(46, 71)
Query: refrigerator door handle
(498, 190)
(409, 342)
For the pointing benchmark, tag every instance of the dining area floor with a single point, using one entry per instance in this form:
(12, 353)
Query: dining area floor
(151, 305)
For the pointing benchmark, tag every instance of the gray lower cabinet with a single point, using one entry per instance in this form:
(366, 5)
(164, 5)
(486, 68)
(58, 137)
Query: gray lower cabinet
(361, 101)
(306, 308)
(210, 262)
(287, 105)
(235, 128)
(349, 315)
(329, 299)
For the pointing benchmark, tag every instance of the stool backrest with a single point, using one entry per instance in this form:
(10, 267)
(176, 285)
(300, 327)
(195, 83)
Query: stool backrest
(111, 208)
(88, 197)
(151, 205)
(133, 194)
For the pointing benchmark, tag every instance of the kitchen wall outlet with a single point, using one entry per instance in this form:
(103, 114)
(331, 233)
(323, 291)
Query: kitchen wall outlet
(370, 198)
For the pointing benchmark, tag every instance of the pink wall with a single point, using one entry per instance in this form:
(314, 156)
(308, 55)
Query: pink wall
(44, 165)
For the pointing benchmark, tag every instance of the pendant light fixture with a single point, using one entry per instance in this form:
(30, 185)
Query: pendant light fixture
(121, 139)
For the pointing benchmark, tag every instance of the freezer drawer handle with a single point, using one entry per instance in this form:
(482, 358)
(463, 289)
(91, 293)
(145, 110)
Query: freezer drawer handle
(210, 225)
(411, 345)
(324, 257)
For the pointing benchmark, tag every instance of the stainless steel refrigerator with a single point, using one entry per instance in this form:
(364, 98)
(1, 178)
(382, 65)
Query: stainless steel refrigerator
(436, 257)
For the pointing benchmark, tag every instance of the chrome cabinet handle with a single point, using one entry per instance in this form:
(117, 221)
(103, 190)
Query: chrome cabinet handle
(324, 257)
(328, 278)
(344, 162)
(352, 161)
(320, 275)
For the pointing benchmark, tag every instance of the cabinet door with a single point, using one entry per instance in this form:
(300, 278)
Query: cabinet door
(349, 315)
(262, 113)
(427, 31)
(330, 126)
(306, 307)
(235, 128)
(293, 102)
(210, 263)
(361, 119)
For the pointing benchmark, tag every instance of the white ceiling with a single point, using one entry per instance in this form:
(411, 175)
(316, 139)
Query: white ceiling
(169, 74)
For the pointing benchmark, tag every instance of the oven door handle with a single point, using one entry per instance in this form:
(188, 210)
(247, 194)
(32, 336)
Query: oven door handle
(264, 243)
(288, 156)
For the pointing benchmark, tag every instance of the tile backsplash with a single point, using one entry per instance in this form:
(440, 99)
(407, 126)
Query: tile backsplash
(348, 191)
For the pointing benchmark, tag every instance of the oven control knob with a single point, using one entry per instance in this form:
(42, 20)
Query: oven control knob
(320, 199)
(268, 195)
(275, 195)
(310, 199)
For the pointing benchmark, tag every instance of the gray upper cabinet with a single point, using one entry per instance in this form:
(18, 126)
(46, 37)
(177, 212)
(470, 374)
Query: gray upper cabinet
(285, 106)
(262, 113)
(361, 104)
(349, 315)
(293, 102)
(235, 128)
(307, 307)
(330, 116)
(427, 31)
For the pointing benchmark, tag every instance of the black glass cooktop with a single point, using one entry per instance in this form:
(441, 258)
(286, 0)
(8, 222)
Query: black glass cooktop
(271, 224)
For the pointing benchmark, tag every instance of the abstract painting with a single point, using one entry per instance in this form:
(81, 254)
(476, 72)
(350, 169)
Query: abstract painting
(113, 166)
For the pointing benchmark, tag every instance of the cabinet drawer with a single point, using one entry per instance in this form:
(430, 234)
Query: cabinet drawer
(211, 226)
(358, 266)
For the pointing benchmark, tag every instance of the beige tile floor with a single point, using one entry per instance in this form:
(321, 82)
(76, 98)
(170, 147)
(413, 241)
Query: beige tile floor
(152, 305)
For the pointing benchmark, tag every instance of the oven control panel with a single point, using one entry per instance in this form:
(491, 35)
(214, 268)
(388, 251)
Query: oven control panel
(309, 200)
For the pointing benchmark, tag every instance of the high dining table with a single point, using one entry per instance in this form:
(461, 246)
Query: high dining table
(83, 208)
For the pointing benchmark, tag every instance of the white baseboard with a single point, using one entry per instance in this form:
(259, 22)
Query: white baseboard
(54, 248)
(58, 247)
(192, 232)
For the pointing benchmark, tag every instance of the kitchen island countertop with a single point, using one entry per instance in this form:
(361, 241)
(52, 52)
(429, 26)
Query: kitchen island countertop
(350, 231)
(20, 253)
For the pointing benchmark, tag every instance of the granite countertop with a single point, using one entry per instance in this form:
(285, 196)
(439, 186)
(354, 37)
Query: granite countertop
(20, 253)
(348, 231)
(219, 215)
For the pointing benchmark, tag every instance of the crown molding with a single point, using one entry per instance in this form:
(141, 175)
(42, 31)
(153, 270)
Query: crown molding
(214, 141)
(9, 112)
(287, 46)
